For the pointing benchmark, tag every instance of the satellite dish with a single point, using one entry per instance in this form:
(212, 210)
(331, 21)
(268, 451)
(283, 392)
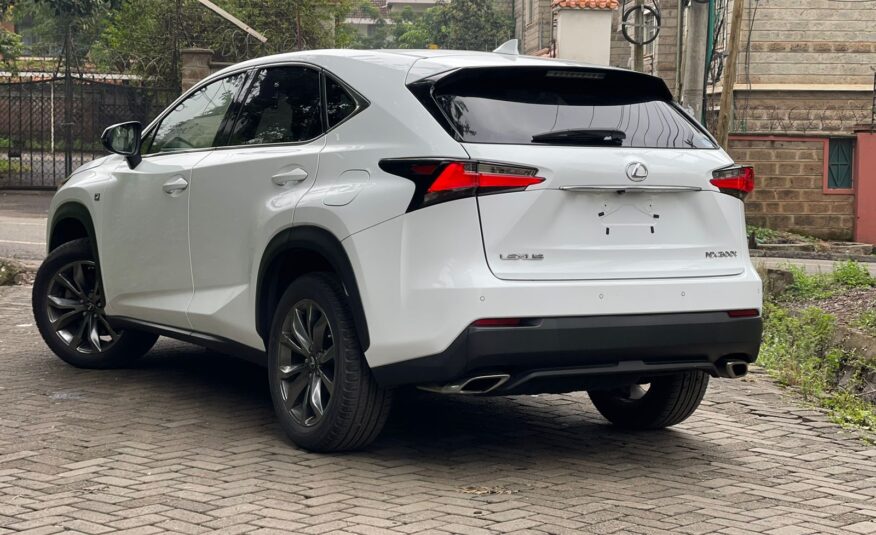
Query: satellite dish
(508, 47)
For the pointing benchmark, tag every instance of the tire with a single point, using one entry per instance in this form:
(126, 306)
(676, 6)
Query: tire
(669, 400)
(323, 391)
(68, 306)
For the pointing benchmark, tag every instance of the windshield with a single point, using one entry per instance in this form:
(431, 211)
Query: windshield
(525, 105)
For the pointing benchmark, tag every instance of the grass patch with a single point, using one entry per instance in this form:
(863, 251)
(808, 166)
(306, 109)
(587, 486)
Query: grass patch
(867, 322)
(798, 350)
(846, 275)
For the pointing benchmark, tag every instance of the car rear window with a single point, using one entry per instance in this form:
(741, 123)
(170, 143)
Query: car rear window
(571, 106)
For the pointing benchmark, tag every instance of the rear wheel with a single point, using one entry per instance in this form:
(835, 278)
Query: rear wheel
(665, 401)
(323, 391)
(68, 306)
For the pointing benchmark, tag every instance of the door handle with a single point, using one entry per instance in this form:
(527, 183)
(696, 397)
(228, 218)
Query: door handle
(295, 175)
(175, 185)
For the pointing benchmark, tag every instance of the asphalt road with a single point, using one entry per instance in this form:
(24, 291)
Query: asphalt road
(23, 225)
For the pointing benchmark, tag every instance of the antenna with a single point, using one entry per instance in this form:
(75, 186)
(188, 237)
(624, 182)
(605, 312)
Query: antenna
(508, 47)
(232, 19)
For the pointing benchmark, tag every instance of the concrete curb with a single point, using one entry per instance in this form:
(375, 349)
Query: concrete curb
(804, 255)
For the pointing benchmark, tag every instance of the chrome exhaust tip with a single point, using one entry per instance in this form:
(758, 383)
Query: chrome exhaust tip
(734, 369)
(479, 384)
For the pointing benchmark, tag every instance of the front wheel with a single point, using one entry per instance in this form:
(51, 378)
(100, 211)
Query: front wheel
(665, 401)
(68, 306)
(323, 391)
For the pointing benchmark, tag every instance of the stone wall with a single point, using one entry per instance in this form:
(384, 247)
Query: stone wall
(789, 195)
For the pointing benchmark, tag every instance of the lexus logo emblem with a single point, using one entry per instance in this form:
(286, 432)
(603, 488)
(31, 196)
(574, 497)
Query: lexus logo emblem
(637, 172)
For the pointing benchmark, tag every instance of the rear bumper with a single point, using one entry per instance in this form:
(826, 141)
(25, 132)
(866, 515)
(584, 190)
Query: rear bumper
(575, 353)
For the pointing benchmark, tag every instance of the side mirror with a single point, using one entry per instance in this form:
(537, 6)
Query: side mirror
(124, 139)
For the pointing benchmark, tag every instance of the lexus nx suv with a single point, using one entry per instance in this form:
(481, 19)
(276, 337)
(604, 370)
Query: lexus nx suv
(460, 222)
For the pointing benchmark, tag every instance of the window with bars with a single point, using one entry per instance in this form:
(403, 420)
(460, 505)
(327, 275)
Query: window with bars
(841, 157)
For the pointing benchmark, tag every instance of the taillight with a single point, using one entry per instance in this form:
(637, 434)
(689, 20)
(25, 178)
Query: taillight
(439, 181)
(737, 180)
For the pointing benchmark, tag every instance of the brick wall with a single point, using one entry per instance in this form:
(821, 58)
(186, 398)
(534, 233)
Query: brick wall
(790, 179)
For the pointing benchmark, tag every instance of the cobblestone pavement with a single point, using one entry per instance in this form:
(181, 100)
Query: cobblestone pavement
(186, 442)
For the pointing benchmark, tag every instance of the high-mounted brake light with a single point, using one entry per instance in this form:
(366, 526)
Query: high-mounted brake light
(439, 181)
(737, 180)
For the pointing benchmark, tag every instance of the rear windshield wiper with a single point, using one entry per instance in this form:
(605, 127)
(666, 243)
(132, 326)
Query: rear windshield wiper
(582, 136)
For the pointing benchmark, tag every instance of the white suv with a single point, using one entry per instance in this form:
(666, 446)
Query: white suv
(462, 222)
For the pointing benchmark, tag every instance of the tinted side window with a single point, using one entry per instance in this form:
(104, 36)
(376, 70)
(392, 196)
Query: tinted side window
(194, 123)
(339, 103)
(283, 105)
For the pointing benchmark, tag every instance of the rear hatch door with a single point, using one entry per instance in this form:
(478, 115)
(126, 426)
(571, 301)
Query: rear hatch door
(626, 190)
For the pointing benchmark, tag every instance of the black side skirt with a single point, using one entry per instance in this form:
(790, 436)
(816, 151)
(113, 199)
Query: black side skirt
(216, 343)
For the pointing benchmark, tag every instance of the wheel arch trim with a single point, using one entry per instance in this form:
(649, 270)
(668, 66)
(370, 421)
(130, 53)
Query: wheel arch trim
(323, 243)
(76, 211)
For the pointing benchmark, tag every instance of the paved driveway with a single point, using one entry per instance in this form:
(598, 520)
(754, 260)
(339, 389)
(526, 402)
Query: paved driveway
(186, 442)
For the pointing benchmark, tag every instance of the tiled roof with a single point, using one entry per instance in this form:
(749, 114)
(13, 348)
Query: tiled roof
(359, 13)
(585, 4)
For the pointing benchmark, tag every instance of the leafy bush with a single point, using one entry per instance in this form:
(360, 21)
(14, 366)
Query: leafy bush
(6, 166)
(8, 272)
(851, 274)
(798, 350)
(762, 234)
(815, 286)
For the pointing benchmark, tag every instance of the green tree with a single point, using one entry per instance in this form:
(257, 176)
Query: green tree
(10, 43)
(50, 20)
(466, 25)
(460, 24)
(143, 36)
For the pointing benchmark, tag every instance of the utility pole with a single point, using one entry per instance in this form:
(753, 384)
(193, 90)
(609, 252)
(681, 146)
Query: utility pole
(68, 100)
(725, 114)
(638, 48)
(695, 57)
(679, 47)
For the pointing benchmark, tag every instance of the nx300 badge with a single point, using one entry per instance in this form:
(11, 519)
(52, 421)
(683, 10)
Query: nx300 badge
(514, 256)
(720, 254)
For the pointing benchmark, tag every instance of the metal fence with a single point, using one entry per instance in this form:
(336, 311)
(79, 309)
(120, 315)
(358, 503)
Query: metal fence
(51, 124)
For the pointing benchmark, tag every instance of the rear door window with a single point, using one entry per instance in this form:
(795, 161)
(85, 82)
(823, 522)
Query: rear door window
(584, 107)
(283, 105)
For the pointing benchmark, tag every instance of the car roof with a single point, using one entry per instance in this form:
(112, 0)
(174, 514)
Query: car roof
(416, 63)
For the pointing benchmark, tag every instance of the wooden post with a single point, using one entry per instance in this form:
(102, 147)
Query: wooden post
(725, 114)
